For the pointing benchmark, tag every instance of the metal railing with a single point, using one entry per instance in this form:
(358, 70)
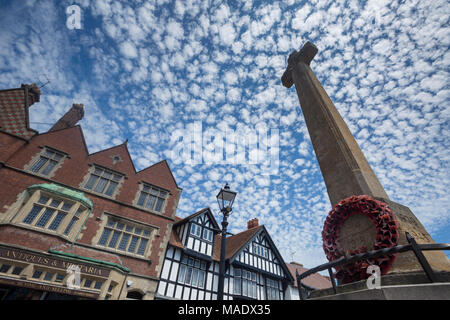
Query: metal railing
(303, 289)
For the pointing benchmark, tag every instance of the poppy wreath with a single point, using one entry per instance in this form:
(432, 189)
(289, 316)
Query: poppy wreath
(386, 236)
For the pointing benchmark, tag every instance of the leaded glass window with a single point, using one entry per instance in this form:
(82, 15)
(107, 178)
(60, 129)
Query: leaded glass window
(53, 213)
(152, 198)
(192, 272)
(245, 283)
(124, 236)
(103, 181)
(273, 289)
(46, 162)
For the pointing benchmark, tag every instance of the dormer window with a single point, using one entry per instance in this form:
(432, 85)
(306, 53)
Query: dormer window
(152, 198)
(46, 161)
(103, 181)
(205, 234)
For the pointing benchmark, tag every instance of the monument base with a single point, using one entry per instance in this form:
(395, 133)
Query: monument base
(432, 291)
(401, 286)
(407, 261)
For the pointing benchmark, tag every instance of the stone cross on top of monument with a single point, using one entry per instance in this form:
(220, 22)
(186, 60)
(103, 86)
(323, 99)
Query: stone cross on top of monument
(344, 168)
(305, 55)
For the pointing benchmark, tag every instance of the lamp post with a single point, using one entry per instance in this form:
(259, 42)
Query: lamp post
(225, 198)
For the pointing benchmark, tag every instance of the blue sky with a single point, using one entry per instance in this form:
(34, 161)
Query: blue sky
(147, 69)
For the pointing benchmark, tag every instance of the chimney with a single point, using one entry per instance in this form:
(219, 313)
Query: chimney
(70, 119)
(32, 93)
(252, 223)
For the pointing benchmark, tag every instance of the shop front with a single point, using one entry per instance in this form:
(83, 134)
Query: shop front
(56, 275)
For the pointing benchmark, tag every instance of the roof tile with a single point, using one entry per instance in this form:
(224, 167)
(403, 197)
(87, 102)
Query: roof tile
(315, 280)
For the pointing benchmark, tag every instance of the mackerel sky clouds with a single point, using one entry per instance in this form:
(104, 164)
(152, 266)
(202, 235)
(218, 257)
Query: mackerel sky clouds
(145, 69)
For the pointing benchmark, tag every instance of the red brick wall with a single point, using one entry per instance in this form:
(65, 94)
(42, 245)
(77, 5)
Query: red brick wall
(72, 172)
(76, 167)
(9, 145)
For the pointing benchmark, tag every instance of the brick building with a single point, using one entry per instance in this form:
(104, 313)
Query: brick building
(66, 214)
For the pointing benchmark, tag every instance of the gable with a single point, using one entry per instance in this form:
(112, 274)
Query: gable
(116, 158)
(205, 219)
(56, 140)
(260, 252)
(160, 175)
(197, 232)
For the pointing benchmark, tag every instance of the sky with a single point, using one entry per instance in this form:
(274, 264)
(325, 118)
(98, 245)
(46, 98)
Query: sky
(158, 72)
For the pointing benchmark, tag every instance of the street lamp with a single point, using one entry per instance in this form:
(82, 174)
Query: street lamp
(225, 198)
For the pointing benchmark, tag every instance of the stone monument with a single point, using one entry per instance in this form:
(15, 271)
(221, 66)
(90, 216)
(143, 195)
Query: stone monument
(346, 171)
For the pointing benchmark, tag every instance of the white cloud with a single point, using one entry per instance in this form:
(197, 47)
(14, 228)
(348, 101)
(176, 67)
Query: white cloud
(128, 49)
(227, 34)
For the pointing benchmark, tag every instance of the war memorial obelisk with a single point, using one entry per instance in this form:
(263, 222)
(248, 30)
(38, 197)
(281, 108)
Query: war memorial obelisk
(346, 171)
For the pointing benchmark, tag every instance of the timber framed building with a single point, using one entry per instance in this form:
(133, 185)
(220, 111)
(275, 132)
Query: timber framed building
(255, 269)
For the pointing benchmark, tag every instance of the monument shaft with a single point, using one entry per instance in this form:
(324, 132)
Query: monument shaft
(345, 169)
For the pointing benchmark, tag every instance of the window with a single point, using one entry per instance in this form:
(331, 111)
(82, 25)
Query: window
(134, 295)
(273, 290)
(152, 198)
(207, 235)
(98, 285)
(260, 250)
(54, 209)
(46, 162)
(111, 287)
(192, 272)
(245, 283)
(17, 270)
(124, 237)
(4, 268)
(59, 277)
(87, 283)
(49, 276)
(74, 219)
(36, 274)
(196, 230)
(53, 213)
(103, 181)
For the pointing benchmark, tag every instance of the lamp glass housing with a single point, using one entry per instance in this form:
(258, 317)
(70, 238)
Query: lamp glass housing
(225, 198)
